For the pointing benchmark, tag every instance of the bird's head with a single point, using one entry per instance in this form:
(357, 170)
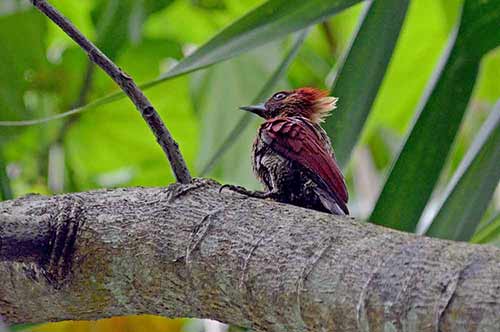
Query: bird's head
(311, 103)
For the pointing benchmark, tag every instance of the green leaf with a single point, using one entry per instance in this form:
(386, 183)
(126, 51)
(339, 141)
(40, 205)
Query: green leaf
(271, 20)
(264, 92)
(140, 12)
(153, 6)
(360, 76)
(479, 28)
(22, 61)
(5, 190)
(23, 327)
(120, 21)
(111, 19)
(404, 82)
(127, 153)
(472, 185)
(417, 169)
(490, 232)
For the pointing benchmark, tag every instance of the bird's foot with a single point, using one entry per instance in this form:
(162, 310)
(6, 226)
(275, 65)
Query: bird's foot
(246, 192)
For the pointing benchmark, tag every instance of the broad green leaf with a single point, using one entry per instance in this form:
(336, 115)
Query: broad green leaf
(360, 76)
(472, 186)
(5, 190)
(419, 164)
(490, 232)
(117, 24)
(140, 12)
(272, 20)
(404, 82)
(120, 21)
(114, 20)
(114, 147)
(22, 62)
(487, 85)
(264, 92)
(111, 19)
(203, 23)
(210, 4)
(152, 6)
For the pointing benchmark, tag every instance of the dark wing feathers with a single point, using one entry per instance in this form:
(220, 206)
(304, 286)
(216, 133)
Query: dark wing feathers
(297, 139)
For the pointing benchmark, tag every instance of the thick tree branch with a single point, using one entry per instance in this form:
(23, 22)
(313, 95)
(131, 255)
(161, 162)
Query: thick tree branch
(189, 251)
(150, 115)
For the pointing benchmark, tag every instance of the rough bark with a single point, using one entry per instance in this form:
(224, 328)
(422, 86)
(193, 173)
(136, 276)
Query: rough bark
(190, 251)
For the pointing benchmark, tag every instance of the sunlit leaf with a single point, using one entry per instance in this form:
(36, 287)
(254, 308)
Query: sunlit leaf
(119, 22)
(272, 20)
(360, 76)
(404, 82)
(472, 185)
(419, 164)
(490, 232)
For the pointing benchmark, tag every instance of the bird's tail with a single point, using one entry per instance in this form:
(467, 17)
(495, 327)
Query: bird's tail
(329, 203)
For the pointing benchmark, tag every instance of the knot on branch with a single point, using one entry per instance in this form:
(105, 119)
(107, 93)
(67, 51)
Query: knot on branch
(36, 2)
(94, 56)
(64, 228)
(148, 111)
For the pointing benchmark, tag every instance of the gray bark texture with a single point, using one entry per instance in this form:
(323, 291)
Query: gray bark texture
(190, 251)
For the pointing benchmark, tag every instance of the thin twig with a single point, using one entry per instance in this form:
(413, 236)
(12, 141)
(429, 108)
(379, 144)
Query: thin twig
(126, 83)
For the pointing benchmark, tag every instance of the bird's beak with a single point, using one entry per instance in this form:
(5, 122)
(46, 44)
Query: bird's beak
(258, 109)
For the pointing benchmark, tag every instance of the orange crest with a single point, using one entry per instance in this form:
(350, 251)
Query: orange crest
(321, 103)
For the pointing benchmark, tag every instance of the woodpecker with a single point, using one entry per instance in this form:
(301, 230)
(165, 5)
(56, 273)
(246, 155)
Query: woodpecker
(292, 155)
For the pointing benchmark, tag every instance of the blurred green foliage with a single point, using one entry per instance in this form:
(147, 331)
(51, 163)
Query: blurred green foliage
(424, 153)
(402, 106)
(471, 187)
(360, 73)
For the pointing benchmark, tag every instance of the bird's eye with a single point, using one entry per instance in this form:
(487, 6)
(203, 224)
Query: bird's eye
(279, 96)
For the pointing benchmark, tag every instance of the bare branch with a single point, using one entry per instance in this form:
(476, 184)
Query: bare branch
(126, 83)
(188, 251)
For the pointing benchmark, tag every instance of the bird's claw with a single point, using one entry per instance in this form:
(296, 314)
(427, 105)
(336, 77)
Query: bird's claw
(238, 189)
(228, 186)
(249, 193)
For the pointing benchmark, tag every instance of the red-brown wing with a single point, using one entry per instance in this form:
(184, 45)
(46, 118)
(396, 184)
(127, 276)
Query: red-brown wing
(295, 138)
